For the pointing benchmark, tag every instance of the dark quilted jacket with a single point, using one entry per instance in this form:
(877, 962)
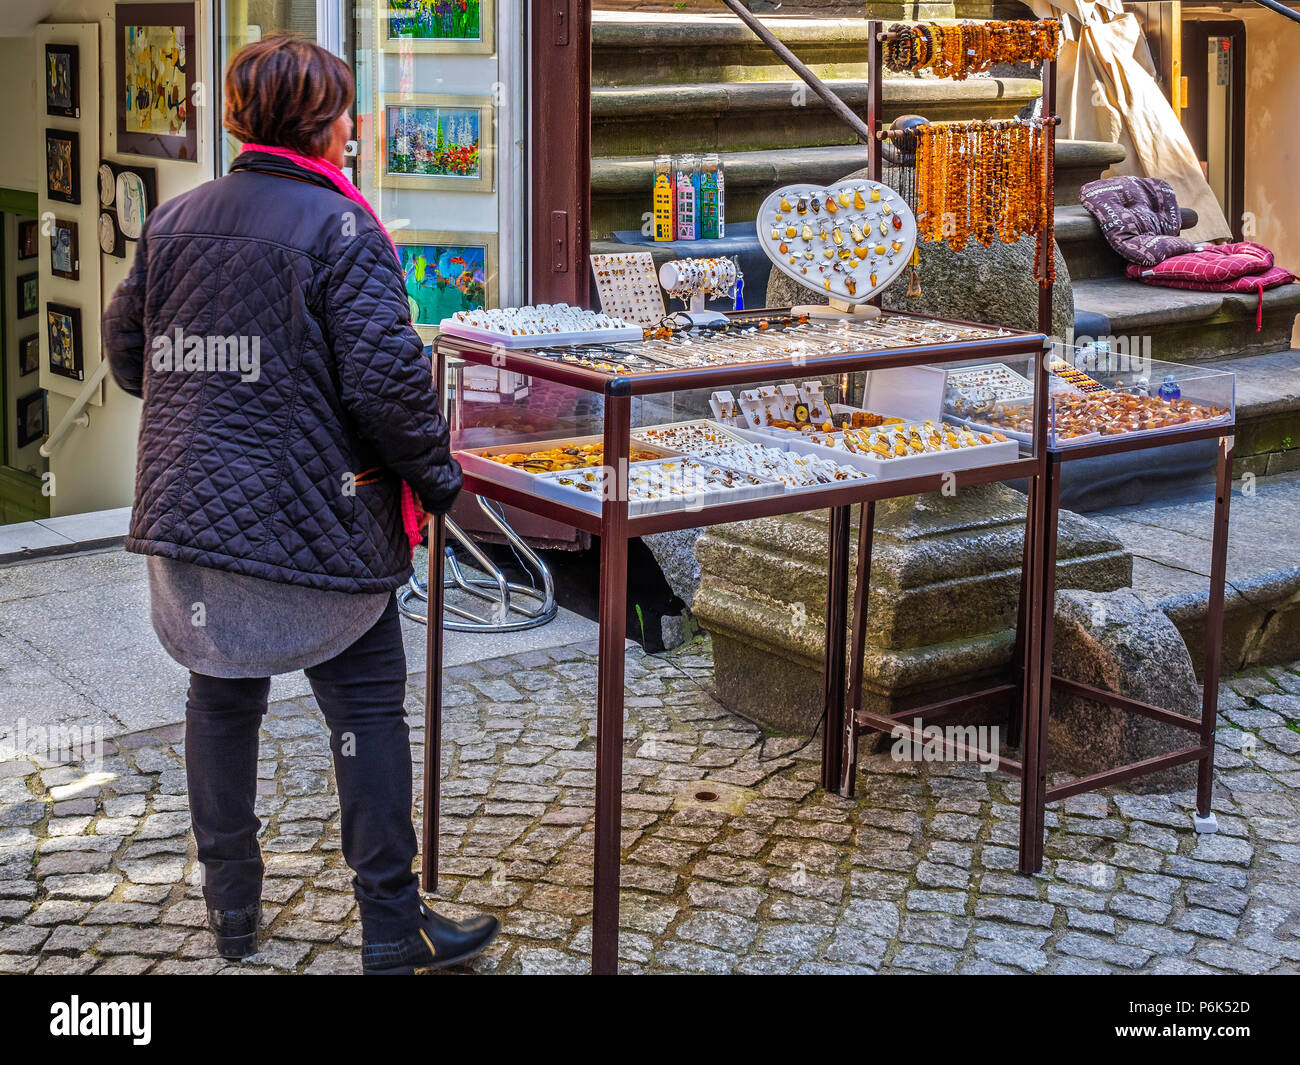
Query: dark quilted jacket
(255, 476)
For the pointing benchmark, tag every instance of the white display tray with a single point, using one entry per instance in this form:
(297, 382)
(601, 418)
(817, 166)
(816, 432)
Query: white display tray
(765, 438)
(638, 434)
(1014, 385)
(474, 461)
(965, 458)
(540, 340)
(912, 393)
(548, 484)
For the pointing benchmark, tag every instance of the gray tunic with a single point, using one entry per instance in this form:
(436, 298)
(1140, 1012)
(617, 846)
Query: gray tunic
(225, 624)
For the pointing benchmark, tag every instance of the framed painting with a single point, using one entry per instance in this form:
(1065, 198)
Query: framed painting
(467, 27)
(63, 165)
(65, 261)
(27, 239)
(442, 142)
(156, 73)
(63, 330)
(446, 272)
(32, 421)
(29, 354)
(28, 295)
(62, 91)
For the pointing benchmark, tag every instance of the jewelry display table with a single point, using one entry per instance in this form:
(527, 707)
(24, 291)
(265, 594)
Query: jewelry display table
(611, 518)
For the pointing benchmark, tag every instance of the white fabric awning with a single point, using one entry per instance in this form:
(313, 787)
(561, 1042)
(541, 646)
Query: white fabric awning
(1107, 91)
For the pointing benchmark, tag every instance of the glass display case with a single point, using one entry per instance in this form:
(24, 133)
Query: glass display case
(779, 413)
(778, 410)
(1093, 397)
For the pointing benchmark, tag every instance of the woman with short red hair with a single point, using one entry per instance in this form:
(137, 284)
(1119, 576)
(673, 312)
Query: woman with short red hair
(279, 493)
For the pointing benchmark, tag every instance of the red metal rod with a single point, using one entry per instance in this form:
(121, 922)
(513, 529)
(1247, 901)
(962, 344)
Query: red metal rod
(1039, 693)
(1214, 624)
(849, 493)
(956, 704)
(837, 593)
(658, 382)
(1120, 444)
(433, 637)
(609, 700)
(857, 648)
(951, 747)
(1128, 772)
(1121, 702)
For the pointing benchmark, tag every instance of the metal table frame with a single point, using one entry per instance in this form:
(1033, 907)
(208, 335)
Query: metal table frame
(615, 527)
(1035, 724)
(1033, 659)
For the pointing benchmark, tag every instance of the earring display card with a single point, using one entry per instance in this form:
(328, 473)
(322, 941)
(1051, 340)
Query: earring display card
(629, 287)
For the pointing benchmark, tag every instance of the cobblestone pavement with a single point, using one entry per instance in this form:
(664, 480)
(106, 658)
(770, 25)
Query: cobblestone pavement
(916, 874)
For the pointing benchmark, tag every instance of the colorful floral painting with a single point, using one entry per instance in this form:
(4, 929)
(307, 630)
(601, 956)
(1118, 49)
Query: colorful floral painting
(442, 279)
(433, 141)
(434, 20)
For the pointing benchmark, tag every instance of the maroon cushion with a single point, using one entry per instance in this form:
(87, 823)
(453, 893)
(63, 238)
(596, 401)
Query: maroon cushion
(1212, 265)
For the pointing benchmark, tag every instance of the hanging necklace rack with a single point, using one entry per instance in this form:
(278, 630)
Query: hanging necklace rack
(1033, 41)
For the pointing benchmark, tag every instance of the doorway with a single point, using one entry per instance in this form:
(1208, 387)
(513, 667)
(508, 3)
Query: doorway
(1214, 64)
(23, 411)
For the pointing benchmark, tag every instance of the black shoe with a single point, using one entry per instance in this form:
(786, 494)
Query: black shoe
(437, 943)
(236, 930)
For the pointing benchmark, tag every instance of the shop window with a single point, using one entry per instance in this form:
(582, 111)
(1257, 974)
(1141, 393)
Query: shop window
(245, 21)
(440, 120)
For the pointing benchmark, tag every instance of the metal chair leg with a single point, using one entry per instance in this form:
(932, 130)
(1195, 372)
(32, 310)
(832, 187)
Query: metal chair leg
(516, 607)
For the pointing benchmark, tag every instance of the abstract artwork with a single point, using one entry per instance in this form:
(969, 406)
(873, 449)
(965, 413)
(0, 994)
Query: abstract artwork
(63, 165)
(62, 94)
(156, 55)
(63, 329)
(31, 418)
(64, 255)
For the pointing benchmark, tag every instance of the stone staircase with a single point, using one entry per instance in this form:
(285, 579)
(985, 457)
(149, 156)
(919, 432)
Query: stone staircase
(680, 81)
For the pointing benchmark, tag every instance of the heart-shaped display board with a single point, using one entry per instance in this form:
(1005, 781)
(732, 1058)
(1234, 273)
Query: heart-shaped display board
(847, 240)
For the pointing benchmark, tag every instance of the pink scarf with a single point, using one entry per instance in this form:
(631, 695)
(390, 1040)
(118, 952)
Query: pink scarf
(412, 512)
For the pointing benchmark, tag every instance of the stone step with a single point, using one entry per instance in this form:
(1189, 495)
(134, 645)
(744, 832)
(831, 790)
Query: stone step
(1188, 326)
(1170, 544)
(620, 186)
(1268, 412)
(646, 120)
(683, 47)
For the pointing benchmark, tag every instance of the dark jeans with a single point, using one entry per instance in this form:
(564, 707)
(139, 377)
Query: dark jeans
(360, 692)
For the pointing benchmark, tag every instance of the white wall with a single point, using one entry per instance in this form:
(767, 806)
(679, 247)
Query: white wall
(19, 123)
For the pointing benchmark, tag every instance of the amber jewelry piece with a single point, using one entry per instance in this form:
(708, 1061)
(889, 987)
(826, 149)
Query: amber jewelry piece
(970, 48)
